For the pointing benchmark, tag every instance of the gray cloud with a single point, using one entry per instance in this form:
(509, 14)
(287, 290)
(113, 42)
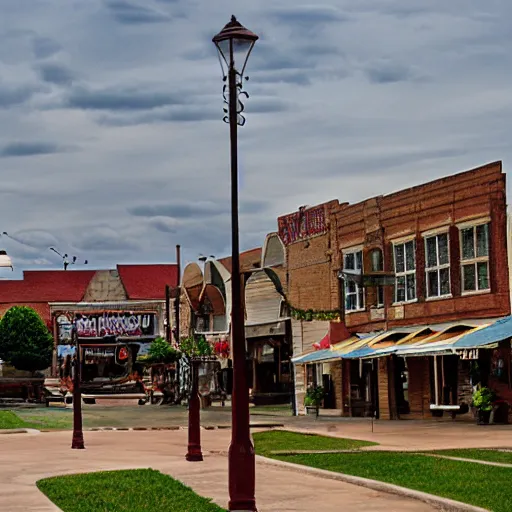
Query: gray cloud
(44, 47)
(55, 73)
(103, 239)
(191, 210)
(178, 210)
(386, 72)
(164, 224)
(286, 76)
(179, 113)
(36, 239)
(119, 99)
(145, 88)
(131, 13)
(308, 15)
(259, 105)
(15, 95)
(15, 149)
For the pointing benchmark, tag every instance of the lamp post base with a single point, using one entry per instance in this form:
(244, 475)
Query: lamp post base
(78, 442)
(194, 455)
(242, 466)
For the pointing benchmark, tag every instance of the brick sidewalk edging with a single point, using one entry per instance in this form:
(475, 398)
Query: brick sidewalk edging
(443, 504)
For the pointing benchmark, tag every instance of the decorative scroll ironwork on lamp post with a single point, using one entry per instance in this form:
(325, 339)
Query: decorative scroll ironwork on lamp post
(78, 434)
(234, 44)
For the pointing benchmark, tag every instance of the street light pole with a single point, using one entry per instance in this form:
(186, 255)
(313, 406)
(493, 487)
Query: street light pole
(234, 44)
(194, 453)
(78, 434)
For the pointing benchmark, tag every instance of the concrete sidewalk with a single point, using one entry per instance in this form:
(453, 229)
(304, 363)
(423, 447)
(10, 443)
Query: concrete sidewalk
(26, 458)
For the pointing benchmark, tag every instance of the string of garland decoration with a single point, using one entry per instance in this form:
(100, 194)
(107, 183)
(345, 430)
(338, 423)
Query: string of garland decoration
(311, 314)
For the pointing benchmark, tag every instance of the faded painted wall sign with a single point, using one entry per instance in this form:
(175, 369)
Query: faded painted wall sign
(302, 224)
(98, 325)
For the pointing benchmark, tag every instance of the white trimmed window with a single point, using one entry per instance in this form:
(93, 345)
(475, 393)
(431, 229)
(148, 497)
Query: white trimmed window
(354, 293)
(405, 271)
(474, 248)
(437, 265)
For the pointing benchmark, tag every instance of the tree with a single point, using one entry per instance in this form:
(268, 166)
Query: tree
(25, 341)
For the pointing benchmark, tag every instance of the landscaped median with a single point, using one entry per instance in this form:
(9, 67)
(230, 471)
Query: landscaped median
(138, 490)
(476, 484)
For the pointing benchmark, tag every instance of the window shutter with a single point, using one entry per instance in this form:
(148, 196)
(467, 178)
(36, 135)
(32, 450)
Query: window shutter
(454, 261)
(420, 268)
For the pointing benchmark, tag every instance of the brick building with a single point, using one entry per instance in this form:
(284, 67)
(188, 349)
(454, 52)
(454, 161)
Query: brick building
(127, 302)
(421, 267)
(206, 311)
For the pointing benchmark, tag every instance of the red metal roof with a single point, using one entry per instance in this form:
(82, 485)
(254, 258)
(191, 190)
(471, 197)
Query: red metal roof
(147, 281)
(46, 286)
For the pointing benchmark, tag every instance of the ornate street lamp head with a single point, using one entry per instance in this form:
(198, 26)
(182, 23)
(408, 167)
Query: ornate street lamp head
(234, 44)
(5, 260)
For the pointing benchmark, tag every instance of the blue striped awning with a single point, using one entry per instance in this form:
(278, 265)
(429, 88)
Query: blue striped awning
(499, 331)
(319, 355)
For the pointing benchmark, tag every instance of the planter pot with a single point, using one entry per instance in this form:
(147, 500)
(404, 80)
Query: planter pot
(312, 410)
(483, 417)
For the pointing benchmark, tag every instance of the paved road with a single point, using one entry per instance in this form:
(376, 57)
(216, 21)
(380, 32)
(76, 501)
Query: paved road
(26, 458)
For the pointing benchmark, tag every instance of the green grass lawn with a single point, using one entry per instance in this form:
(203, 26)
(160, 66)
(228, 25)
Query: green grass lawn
(10, 420)
(138, 490)
(480, 485)
(33, 419)
(273, 440)
(488, 455)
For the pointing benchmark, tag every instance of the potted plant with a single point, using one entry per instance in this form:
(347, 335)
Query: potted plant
(483, 399)
(313, 399)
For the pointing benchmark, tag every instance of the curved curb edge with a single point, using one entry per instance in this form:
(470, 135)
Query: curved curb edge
(19, 431)
(438, 502)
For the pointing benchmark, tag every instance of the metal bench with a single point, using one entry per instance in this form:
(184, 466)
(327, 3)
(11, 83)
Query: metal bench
(452, 409)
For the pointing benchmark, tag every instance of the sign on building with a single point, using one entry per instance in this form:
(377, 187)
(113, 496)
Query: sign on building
(119, 324)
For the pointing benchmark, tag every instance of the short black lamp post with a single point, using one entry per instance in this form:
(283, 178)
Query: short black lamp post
(234, 44)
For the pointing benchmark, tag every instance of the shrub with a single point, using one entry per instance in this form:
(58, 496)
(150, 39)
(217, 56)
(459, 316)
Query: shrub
(25, 341)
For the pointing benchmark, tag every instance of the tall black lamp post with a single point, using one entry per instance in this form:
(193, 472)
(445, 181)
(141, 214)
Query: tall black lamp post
(234, 44)
(78, 433)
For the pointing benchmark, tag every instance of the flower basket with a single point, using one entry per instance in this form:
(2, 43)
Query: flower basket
(221, 349)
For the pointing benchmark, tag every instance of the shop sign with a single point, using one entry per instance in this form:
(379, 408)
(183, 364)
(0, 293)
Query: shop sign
(119, 324)
(302, 224)
(99, 352)
(469, 354)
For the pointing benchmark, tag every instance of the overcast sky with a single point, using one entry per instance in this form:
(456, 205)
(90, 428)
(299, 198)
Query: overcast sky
(112, 145)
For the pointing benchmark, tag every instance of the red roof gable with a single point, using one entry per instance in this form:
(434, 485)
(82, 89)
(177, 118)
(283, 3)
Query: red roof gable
(147, 281)
(46, 286)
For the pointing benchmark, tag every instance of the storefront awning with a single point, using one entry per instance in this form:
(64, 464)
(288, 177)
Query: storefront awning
(315, 357)
(451, 339)
(498, 331)
(335, 352)
(424, 343)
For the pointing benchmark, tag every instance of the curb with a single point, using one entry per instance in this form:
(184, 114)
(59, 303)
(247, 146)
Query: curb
(19, 431)
(126, 429)
(444, 504)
